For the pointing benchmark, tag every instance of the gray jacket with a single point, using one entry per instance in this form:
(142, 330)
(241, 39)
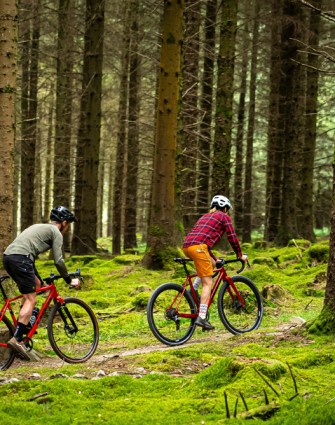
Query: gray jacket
(37, 239)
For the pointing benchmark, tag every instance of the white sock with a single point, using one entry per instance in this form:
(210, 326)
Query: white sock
(196, 283)
(203, 311)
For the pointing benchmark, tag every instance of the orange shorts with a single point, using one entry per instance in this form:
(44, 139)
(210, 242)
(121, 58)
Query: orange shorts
(202, 260)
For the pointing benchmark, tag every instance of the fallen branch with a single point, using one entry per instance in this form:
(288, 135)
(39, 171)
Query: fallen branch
(293, 378)
(267, 382)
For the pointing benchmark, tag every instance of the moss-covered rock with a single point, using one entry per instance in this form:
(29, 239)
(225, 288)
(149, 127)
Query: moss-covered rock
(127, 259)
(317, 253)
(299, 243)
(260, 245)
(268, 261)
(140, 300)
(271, 368)
(274, 292)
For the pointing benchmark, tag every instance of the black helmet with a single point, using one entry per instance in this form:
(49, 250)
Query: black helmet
(60, 214)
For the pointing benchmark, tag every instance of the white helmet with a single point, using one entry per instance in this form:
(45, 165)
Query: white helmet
(220, 202)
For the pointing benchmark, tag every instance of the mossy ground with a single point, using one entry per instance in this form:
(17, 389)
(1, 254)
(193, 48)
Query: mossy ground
(187, 384)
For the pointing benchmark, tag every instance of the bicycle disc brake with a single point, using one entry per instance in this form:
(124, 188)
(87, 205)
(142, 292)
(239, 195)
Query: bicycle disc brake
(172, 314)
(70, 331)
(237, 306)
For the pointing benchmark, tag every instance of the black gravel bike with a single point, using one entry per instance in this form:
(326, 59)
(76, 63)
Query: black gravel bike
(172, 308)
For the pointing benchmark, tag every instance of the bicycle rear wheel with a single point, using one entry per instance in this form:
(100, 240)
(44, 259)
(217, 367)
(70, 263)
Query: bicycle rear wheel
(73, 330)
(244, 314)
(7, 355)
(168, 314)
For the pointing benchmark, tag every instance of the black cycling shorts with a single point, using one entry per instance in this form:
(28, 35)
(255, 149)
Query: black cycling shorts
(22, 270)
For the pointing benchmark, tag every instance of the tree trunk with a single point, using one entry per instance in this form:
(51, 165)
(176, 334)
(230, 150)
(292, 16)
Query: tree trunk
(190, 114)
(292, 109)
(248, 194)
(206, 107)
(8, 52)
(84, 240)
(29, 54)
(307, 171)
(325, 322)
(118, 201)
(238, 187)
(161, 232)
(130, 222)
(224, 99)
(62, 178)
(275, 130)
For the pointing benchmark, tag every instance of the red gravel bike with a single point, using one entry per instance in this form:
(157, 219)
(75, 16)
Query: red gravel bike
(173, 308)
(72, 327)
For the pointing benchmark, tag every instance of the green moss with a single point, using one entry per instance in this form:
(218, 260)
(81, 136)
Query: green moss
(300, 243)
(324, 324)
(127, 259)
(141, 300)
(268, 261)
(271, 368)
(318, 252)
(220, 374)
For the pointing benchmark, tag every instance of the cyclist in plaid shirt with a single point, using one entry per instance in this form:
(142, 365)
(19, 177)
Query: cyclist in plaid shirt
(197, 245)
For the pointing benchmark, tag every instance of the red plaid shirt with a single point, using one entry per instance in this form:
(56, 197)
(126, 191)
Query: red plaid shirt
(209, 230)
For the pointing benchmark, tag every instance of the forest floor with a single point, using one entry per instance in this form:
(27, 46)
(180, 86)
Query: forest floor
(121, 361)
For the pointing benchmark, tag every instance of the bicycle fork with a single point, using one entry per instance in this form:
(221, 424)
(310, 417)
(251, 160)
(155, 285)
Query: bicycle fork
(70, 326)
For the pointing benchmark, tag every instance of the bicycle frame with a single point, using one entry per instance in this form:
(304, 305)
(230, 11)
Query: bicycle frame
(222, 276)
(53, 295)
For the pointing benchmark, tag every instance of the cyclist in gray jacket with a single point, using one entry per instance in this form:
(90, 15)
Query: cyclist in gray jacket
(19, 262)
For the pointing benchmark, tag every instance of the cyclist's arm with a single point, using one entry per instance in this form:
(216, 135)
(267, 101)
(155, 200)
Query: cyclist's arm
(232, 238)
(58, 258)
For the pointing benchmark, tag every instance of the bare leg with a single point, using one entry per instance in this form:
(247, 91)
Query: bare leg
(29, 301)
(206, 289)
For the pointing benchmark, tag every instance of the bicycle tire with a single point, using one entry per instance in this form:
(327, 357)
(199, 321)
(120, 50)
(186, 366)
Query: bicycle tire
(70, 344)
(164, 322)
(236, 318)
(7, 355)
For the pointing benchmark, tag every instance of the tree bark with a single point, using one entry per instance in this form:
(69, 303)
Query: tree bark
(119, 181)
(224, 99)
(248, 192)
(161, 232)
(84, 240)
(63, 132)
(190, 115)
(307, 171)
(8, 58)
(130, 222)
(29, 55)
(206, 107)
(275, 130)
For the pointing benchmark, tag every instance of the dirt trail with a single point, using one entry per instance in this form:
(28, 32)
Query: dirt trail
(122, 360)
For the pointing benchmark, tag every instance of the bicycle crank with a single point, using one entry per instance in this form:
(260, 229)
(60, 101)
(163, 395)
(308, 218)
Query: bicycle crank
(28, 343)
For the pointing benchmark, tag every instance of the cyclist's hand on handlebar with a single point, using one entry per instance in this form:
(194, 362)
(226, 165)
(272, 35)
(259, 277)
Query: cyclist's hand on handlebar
(75, 283)
(244, 258)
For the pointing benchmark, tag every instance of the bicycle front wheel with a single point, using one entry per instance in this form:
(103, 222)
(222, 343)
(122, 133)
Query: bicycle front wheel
(240, 305)
(7, 355)
(73, 330)
(171, 314)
